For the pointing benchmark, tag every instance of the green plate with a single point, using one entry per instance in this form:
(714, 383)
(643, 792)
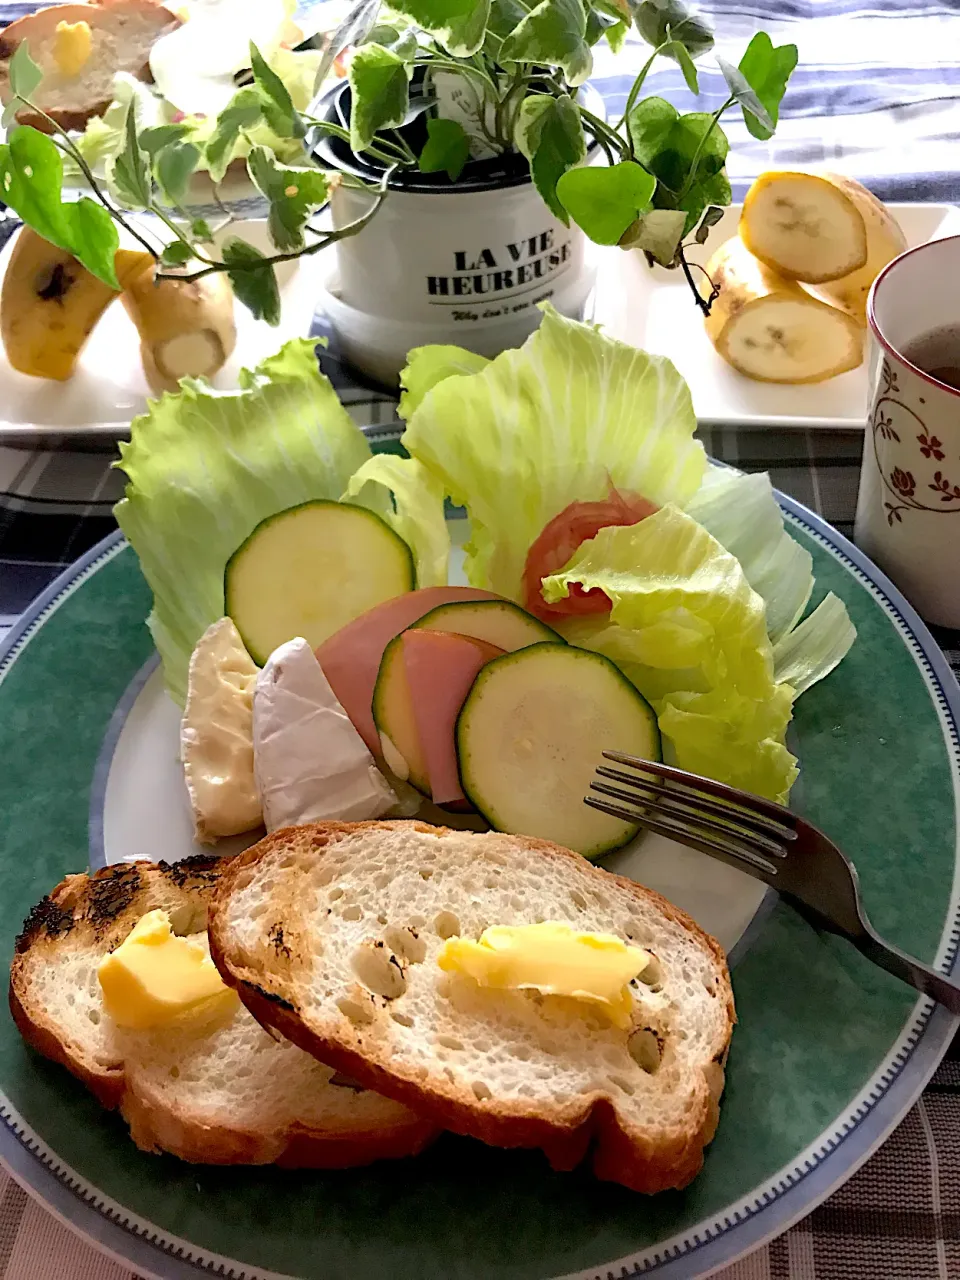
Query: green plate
(828, 1055)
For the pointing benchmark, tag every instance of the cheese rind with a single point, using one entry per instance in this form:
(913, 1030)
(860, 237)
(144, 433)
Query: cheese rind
(553, 959)
(216, 735)
(309, 760)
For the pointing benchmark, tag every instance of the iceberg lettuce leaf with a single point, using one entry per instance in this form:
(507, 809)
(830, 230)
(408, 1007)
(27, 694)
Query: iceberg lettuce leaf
(416, 512)
(204, 467)
(691, 633)
(815, 646)
(428, 366)
(742, 513)
(553, 422)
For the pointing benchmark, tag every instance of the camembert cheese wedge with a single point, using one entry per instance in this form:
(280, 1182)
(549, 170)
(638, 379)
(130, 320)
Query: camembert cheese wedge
(216, 735)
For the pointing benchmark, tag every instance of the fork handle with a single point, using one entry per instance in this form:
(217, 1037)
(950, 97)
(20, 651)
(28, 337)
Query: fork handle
(926, 980)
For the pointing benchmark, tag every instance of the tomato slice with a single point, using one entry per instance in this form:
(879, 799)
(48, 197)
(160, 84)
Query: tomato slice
(560, 539)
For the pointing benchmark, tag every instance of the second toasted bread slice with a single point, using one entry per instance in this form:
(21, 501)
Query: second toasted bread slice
(365, 909)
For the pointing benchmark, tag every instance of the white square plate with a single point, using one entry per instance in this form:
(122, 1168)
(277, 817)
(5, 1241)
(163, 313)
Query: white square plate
(653, 309)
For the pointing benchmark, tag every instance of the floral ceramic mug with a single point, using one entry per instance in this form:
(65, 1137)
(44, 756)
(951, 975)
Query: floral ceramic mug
(908, 512)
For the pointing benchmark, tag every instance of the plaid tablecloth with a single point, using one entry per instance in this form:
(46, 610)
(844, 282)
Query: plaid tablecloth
(878, 96)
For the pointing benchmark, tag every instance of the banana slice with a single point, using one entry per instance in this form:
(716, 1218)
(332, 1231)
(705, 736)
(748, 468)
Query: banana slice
(885, 241)
(804, 226)
(770, 328)
(50, 304)
(186, 327)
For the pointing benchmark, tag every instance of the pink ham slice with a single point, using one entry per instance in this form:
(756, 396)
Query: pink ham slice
(351, 658)
(440, 668)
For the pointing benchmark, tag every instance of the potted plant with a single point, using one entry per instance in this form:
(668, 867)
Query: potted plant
(455, 158)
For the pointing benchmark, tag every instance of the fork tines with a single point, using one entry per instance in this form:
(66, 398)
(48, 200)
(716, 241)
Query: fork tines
(717, 819)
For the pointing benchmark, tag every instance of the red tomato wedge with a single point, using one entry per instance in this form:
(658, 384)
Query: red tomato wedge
(351, 658)
(440, 669)
(561, 538)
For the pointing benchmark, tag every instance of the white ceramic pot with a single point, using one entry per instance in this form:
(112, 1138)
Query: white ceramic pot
(464, 264)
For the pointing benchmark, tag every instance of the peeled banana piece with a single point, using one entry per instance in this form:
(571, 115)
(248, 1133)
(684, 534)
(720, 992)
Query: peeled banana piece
(823, 229)
(50, 304)
(770, 328)
(186, 327)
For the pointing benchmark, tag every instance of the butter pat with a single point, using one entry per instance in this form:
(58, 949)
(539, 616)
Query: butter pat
(154, 976)
(216, 735)
(71, 47)
(310, 762)
(553, 959)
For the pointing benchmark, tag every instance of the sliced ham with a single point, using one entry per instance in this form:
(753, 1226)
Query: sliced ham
(351, 658)
(440, 669)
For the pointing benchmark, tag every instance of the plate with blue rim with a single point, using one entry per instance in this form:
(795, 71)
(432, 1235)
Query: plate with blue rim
(828, 1055)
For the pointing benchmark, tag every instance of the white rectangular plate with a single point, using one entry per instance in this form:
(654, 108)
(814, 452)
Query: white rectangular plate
(653, 309)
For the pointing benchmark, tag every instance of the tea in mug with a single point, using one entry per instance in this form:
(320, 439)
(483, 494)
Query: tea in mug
(937, 353)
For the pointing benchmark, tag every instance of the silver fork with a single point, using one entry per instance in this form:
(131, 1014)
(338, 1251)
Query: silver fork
(766, 841)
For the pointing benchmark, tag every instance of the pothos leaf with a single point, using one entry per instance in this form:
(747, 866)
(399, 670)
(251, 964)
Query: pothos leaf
(603, 202)
(553, 34)
(685, 153)
(31, 183)
(711, 217)
(253, 279)
(294, 193)
(750, 104)
(458, 25)
(173, 167)
(23, 75)
(767, 70)
(243, 111)
(678, 51)
(550, 134)
(353, 30)
(176, 254)
(128, 174)
(379, 87)
(94, 239)
(505, 17)
(158, 136)
(661, 20)
(658, 233)
(447, 148)
(275, 100)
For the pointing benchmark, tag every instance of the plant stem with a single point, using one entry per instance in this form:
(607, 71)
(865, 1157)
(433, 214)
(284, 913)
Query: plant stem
(703, 303)
(386, 151)
(601, 130)
(692, 171)
(636, 87)
(351, 229)
(68, 147)
(169, 223)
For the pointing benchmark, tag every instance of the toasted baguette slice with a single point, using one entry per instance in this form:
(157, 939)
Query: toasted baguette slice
(209, 1089)
(122, 34)
(364, 908)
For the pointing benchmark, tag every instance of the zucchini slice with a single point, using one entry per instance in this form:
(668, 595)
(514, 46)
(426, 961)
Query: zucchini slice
(499, 622)
(310, 570)
(533, 730)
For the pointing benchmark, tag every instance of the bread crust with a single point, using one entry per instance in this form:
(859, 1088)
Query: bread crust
(567, 1134)
(43, 23)
(98, 911)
